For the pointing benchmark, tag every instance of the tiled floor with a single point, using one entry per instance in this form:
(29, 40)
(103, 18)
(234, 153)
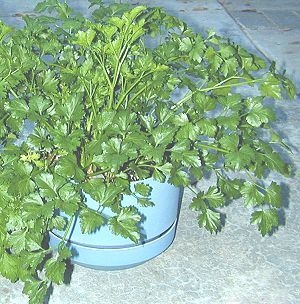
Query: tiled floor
(237, 266)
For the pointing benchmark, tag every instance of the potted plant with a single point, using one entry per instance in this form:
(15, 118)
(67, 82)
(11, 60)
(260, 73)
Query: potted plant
(96, 112)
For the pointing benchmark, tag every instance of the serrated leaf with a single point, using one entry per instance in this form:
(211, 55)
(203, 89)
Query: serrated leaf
(36, 290)
(180, 178)
(90, 221)
(17, 107)
(210, 220)
(85, 38)
(198, 203)
(9, 266)
(17, 241)
(207, 127)
(142, 189)
(271, 87)
(55, 270)
(4, 30)
(57, 222)
(68, 141)
(214, 197)
(126, 224)
(23, 184)
(230, 188)
(185, 45)
(181, 153)
(49, 82)
(162, 136)
(266, 220)
(64, 252)
(104, 120)
(258, 114)
(104, 194)
(230, 142)
(34, 206)
(145, 202)
(49, 184)
(273, 195)
(151, 152)
(251, 194)
(67, 166)
(240, 159)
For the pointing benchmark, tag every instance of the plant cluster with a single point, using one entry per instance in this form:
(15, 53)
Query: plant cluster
(127, 94)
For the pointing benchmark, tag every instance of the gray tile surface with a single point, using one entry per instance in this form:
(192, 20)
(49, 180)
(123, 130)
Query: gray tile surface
(237, 266)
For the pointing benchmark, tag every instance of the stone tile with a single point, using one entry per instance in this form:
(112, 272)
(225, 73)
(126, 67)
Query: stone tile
(237, 265)
(284, 19)
(252, 19)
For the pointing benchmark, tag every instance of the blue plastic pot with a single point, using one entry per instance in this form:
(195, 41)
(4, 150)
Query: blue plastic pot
(104, 250)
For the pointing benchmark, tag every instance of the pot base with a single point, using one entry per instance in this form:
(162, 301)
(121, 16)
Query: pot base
(117, 257)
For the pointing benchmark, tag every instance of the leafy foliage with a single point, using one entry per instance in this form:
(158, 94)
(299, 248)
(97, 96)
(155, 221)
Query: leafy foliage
(102, 94)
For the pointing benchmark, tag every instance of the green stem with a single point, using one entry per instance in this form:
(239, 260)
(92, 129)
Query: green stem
(213, 148)
(101, 62)
(116, 76)
(138, 93)
(192, 189)
(215, 87)
(254, 182)
(67, 230)
(4, 117)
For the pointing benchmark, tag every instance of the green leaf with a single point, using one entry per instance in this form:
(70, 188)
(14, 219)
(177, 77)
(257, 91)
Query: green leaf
(204, 103)
(49, 82)
(154, 153)
(230, 188)
(57, 222)
(230, 142)
(185, 45)
(273, 195)
(181, 153)
(266, 220)
(71, 108)
(105, 195)
(271, 87)
(17, 107)
(145, 202)
(9, 266)
(39, 105)
(36, 290)
(64, 252)
(4, 30)
(34, 206)
(240, 159)
(49, 184)
(206, 127)
(126, 224)
(162, 135)
(17, 241)
(180, 178)
(210, 220)
(67, 166)
(258, 114)
(104, 120)
(142, 189)
(251, 194)
(85, 38)
(23, 183)
(55, 270)
(68, 141)
(161, 172)
(214, 197)
(90, 221)
(198, 49)
(40, 138)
